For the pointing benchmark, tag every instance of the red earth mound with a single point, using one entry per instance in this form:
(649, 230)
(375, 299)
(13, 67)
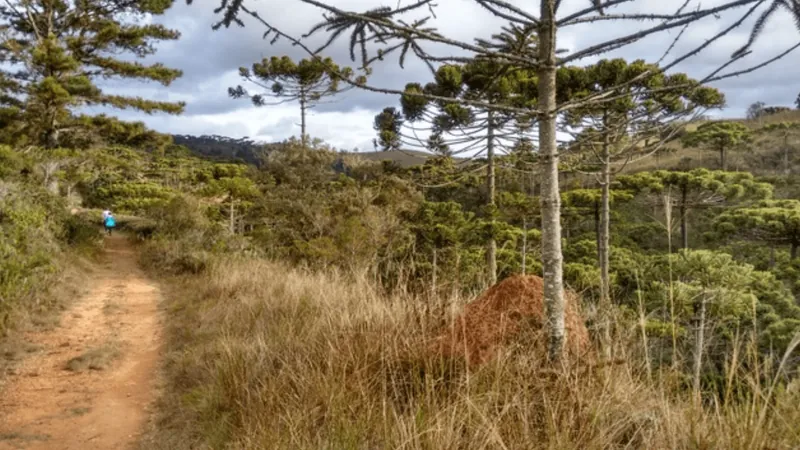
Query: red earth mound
(501, 314)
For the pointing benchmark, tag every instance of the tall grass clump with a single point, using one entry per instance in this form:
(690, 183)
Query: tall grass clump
(265, 356)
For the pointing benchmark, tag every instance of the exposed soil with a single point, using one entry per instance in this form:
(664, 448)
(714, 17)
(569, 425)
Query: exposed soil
(512, 310)
(92, 381)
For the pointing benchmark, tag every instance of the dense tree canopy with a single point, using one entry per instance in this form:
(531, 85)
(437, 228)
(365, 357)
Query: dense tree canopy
(699, 188)
(776, 222)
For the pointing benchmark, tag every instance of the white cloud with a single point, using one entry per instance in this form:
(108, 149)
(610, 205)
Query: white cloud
(210, 61)
(343, 130)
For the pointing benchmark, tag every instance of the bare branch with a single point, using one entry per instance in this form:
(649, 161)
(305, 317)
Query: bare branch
(592, 9)
(633, 37)
(298, 43)
(400, 30)
(711, 79)
(522, 18)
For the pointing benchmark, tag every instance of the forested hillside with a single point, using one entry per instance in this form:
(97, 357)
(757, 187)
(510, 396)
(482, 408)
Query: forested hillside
(221, 147)
(491, 285)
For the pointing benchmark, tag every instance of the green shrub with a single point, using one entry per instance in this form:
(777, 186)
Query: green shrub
(182, 238)
(35, 229)
(81, 233)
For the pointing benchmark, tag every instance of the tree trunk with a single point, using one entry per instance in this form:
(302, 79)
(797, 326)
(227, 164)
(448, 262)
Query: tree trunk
(723, 158)
(550, 197)
(51, 137)
(605, 219)
(491, 250)
(684, 224)
(457, 285)
(232, 225)
(434, 274)
(524, 244)
(597, 225)
(603, 249)
(699, 342)
(793, 250)
(303, 109)
(787, 170)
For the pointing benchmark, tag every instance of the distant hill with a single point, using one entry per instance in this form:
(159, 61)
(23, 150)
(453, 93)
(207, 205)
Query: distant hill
(762, 157)
(221, 147)
(244, 149)
(403, 158)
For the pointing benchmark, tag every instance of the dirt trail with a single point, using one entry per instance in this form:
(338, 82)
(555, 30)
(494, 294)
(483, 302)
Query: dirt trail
(43, 405)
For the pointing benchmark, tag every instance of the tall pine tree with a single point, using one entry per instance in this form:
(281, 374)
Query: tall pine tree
(53, 51)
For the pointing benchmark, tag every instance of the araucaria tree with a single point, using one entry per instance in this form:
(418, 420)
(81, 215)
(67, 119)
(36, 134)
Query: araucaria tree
(614, 132)
(786, 131)
(388, 124)
(457, 128)
(775, 222)
(699, 188)
(307, 82)
(376, 33)
(718, 136)
(53, 51)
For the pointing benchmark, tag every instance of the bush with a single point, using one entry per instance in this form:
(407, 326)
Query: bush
(35, 228)
(81, 233)
(178, 256)
(179, 216)
(182, 238)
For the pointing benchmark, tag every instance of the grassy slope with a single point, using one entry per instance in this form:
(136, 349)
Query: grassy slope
(763, 159)
(262, 356)
(403, 158)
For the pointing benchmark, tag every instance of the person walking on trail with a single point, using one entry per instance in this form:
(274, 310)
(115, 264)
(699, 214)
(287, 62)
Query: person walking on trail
(109, 222)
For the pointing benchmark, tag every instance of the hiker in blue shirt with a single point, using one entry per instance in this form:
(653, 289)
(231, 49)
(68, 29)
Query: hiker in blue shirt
(109, 222)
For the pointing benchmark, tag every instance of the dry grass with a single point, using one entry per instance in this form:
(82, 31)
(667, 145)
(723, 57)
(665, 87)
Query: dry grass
(15, 348)
(261, 356)
(788, 116)
(98, 358)
(24, 437)
(762, 158)
(43, 305)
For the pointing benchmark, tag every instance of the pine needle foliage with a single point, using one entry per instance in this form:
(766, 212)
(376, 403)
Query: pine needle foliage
(54, 51)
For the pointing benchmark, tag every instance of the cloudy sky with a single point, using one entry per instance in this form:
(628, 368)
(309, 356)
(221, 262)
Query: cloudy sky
(210, 62)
